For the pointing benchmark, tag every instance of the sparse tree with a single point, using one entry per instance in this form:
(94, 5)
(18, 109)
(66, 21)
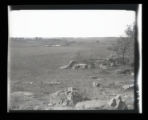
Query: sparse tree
(124, 47)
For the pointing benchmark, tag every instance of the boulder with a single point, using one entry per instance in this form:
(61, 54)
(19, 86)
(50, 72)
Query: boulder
(80, 66)
(120, 105)
(112, 102)
(67, 97)
(69, 65)
(91, 105)
(102, 66)
(117, 103)
(64, 67)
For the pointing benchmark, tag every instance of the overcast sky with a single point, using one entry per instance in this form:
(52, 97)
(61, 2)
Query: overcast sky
(69, 23)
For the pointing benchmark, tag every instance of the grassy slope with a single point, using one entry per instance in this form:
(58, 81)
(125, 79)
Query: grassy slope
(40, 64)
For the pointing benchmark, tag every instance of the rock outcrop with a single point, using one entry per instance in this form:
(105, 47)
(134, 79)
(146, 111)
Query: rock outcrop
(91, 105)
(78, 65)
(117, 103)
(114, 104)
(69, 65)
(66, 97)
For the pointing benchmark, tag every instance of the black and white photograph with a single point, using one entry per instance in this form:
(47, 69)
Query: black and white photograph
(73, 59)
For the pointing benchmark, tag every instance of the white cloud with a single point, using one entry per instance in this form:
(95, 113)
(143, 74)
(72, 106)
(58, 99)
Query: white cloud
(69, 23)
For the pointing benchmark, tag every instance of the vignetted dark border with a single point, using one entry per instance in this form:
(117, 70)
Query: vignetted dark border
(34, 5)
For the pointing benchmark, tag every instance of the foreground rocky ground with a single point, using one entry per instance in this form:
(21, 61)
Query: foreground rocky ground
(113, 91)
(41, 81)
(71, 99)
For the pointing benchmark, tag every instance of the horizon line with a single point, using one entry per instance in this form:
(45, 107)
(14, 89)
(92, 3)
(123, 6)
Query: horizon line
(71, 37)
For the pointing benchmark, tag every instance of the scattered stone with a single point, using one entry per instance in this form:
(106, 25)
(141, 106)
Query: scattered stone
(101, 66)
(93, 77)
(128, 87)
(96, 84)
(54, 83)
(27, 82)
(80, 66)
(124, 71)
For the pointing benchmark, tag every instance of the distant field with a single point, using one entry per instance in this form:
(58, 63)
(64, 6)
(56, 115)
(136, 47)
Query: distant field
(36, 63)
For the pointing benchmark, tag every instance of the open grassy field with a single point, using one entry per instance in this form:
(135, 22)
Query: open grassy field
(33, 65)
